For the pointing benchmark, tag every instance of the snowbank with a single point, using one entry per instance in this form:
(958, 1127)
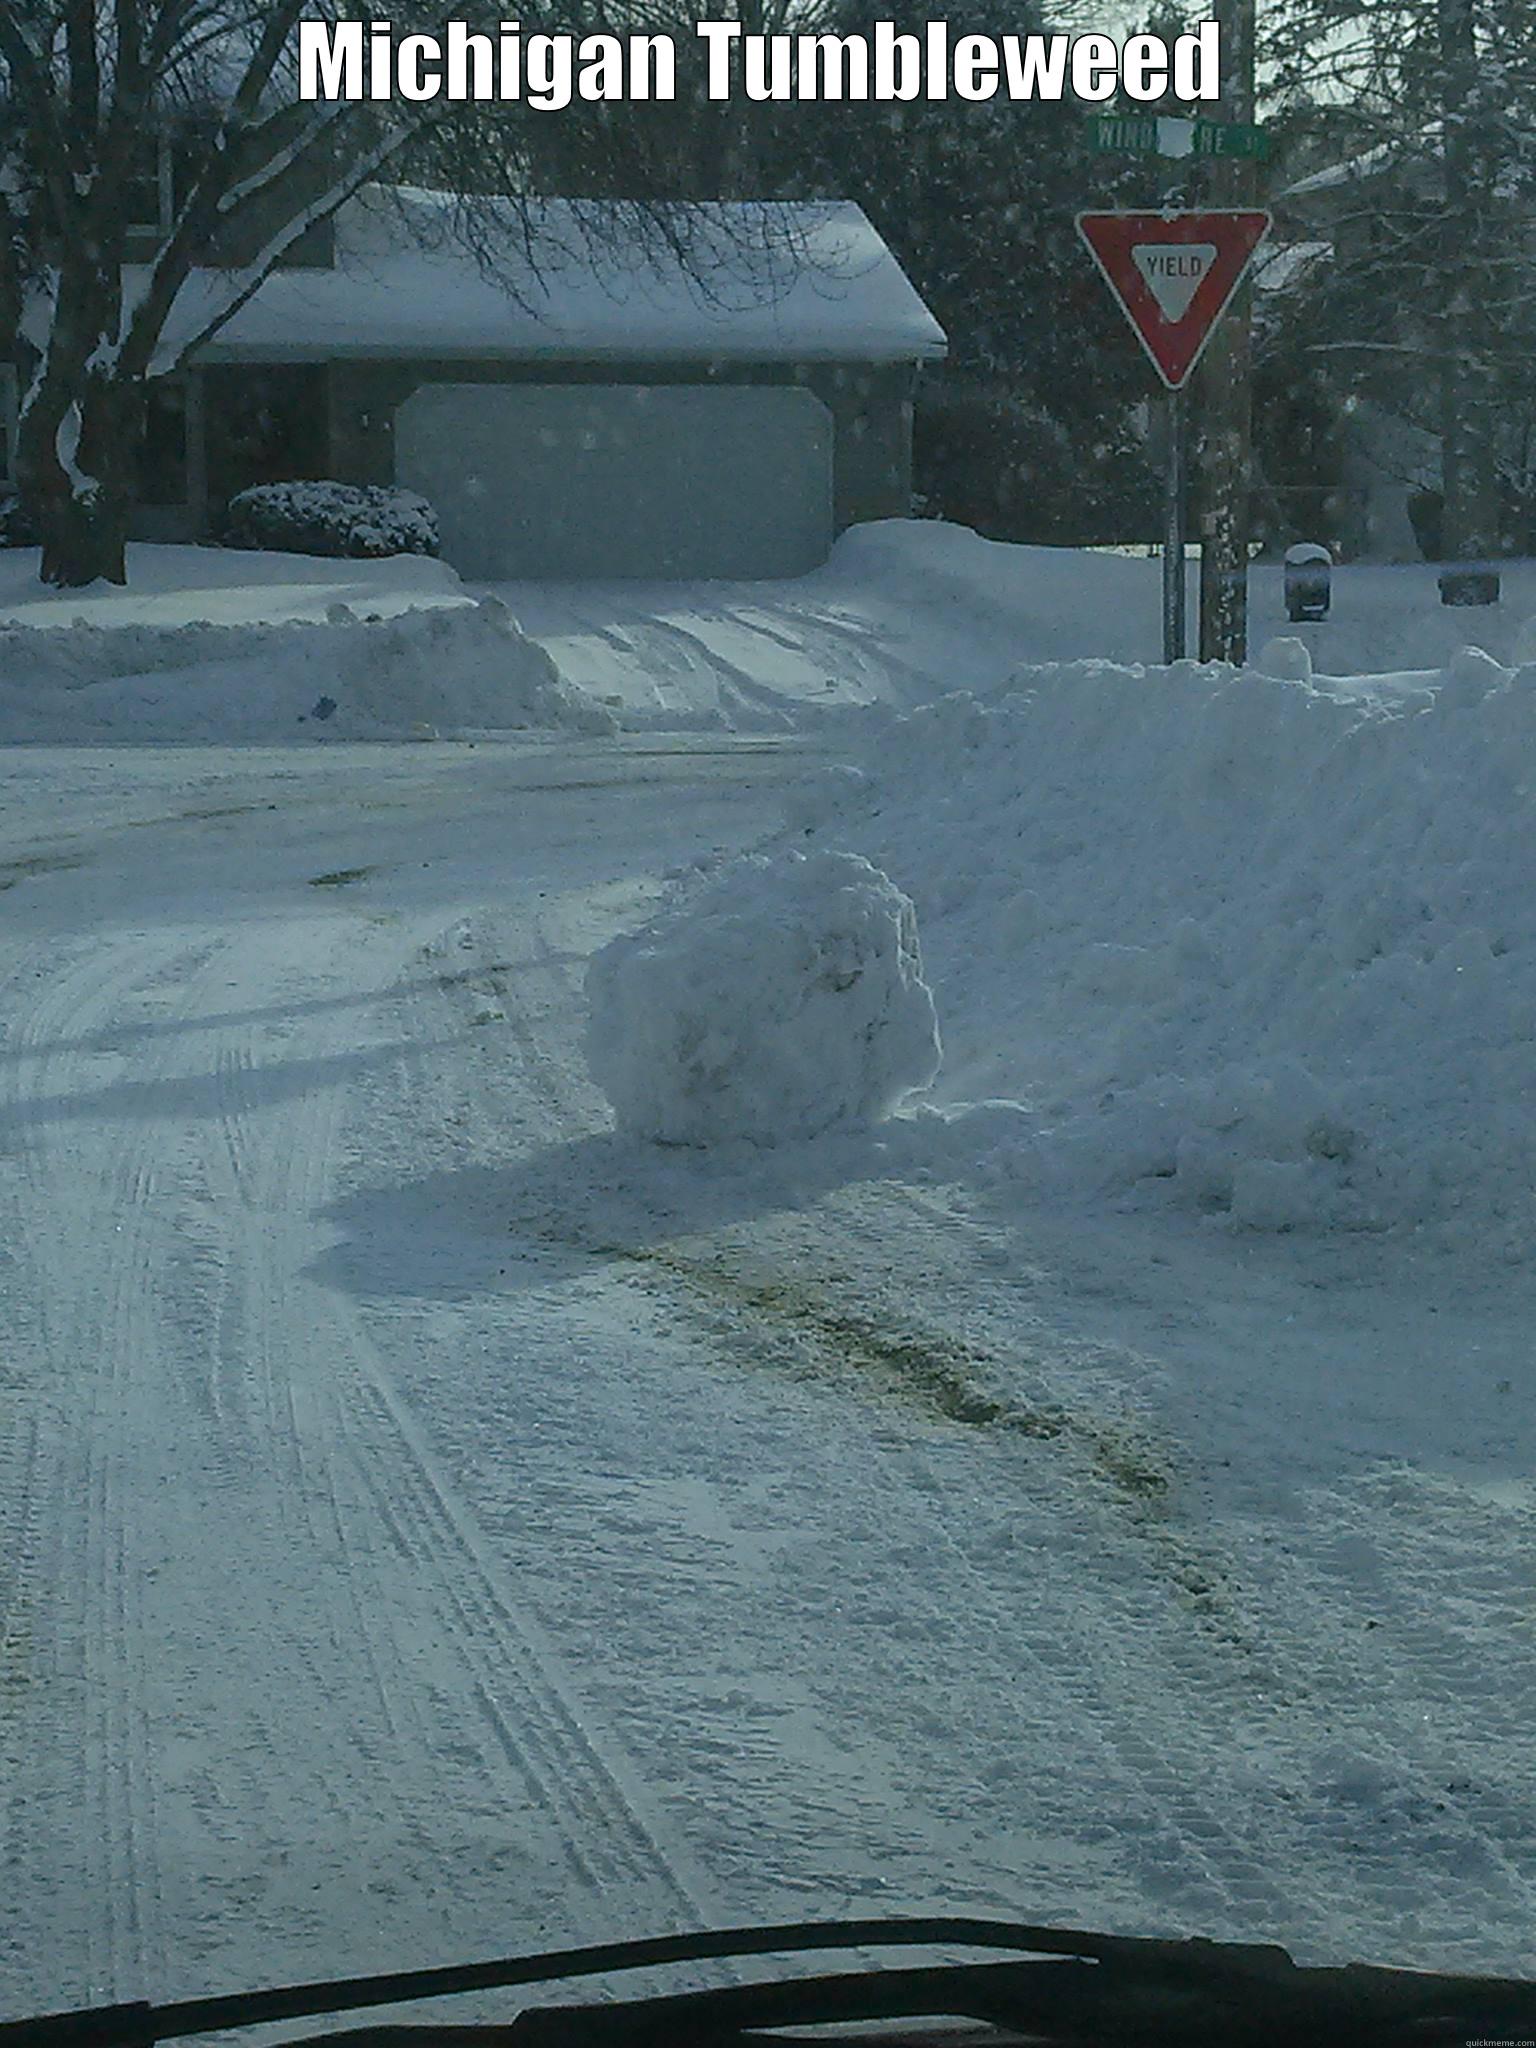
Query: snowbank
(452, 668)
(782, 999)
(1233, 941)
(907, 610)
(1069, 604)
(183, 586)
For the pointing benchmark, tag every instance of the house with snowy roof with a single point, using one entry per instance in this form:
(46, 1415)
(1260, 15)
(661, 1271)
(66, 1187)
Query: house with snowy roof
(1376, 213)
(578, 391)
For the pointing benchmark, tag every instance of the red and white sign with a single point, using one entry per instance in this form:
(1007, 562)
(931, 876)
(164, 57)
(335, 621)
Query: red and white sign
(1173, 274)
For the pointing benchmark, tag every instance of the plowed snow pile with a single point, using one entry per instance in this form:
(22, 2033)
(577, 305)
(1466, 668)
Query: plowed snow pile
(450, 668)
(1260, 948)
(781, 999)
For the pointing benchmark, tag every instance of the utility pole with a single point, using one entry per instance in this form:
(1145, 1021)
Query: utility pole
(1470, 516)
(1224, 396)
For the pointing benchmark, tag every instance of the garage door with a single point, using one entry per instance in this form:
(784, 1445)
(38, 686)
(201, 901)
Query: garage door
(577, 480)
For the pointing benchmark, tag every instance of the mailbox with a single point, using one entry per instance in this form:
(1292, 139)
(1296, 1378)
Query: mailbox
(1308, 581)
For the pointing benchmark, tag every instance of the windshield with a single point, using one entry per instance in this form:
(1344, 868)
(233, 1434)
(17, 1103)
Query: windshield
(766, 958)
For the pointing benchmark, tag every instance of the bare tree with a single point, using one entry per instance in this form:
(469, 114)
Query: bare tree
(195, 103)
(88, 91)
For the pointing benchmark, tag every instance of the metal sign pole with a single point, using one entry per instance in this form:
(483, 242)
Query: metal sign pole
(1172, 274)
(1173, 534)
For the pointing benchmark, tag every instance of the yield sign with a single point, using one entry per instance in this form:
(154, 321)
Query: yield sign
(1173, 274)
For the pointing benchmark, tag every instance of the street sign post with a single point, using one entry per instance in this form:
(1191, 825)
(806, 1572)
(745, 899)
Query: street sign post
(1173, 274)
(1175, 488)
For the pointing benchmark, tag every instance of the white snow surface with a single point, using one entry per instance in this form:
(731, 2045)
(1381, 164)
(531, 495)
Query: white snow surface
(781, 999)
(902, 613)
(187, 586)
(1232, 941)
(908, 610)
(795, 281)
(434, 1522)
(401, 673)
(462, 1528)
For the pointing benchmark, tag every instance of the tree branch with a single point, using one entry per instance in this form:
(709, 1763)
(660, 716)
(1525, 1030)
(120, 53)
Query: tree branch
(149, 320)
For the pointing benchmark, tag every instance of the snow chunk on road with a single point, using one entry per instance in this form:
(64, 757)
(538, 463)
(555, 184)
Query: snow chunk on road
(783, 999)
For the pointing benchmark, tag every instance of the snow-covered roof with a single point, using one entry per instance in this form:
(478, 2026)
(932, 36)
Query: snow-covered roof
(793, 282)
(1349, 172)
(1400, 156)
(1280, 265)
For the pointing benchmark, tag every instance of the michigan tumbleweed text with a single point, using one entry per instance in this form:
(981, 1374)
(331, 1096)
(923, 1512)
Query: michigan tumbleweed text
(355, 60)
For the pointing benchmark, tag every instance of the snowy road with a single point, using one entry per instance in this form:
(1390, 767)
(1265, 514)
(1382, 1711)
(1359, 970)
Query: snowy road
(264, 1683)
(433, 1529)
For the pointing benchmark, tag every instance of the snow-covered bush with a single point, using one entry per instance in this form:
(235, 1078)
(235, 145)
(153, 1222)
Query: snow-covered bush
(782, 999)
(332, 519)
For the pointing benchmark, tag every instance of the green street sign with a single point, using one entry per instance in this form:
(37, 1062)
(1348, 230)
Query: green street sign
(1160, 135)
(1229, 138)
(1129, 132)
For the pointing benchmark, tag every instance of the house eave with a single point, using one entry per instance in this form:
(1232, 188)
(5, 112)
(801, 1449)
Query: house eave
(446, 349)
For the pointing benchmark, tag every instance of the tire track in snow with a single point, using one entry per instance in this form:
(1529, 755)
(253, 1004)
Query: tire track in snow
(220, 1442)
(358, 1770)
(87, 1265)
(579, 1775)
(675, 654)
(542, 1076)
(104, 1320)
(529, 977)
(106, 1267)
(21, 1543)
(877, 660)
(236, 1361)
(256, 1180)
(609, 1841)
(369, 1470)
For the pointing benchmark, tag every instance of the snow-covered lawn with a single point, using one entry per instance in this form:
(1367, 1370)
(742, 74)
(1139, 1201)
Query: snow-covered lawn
(434, 1523)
